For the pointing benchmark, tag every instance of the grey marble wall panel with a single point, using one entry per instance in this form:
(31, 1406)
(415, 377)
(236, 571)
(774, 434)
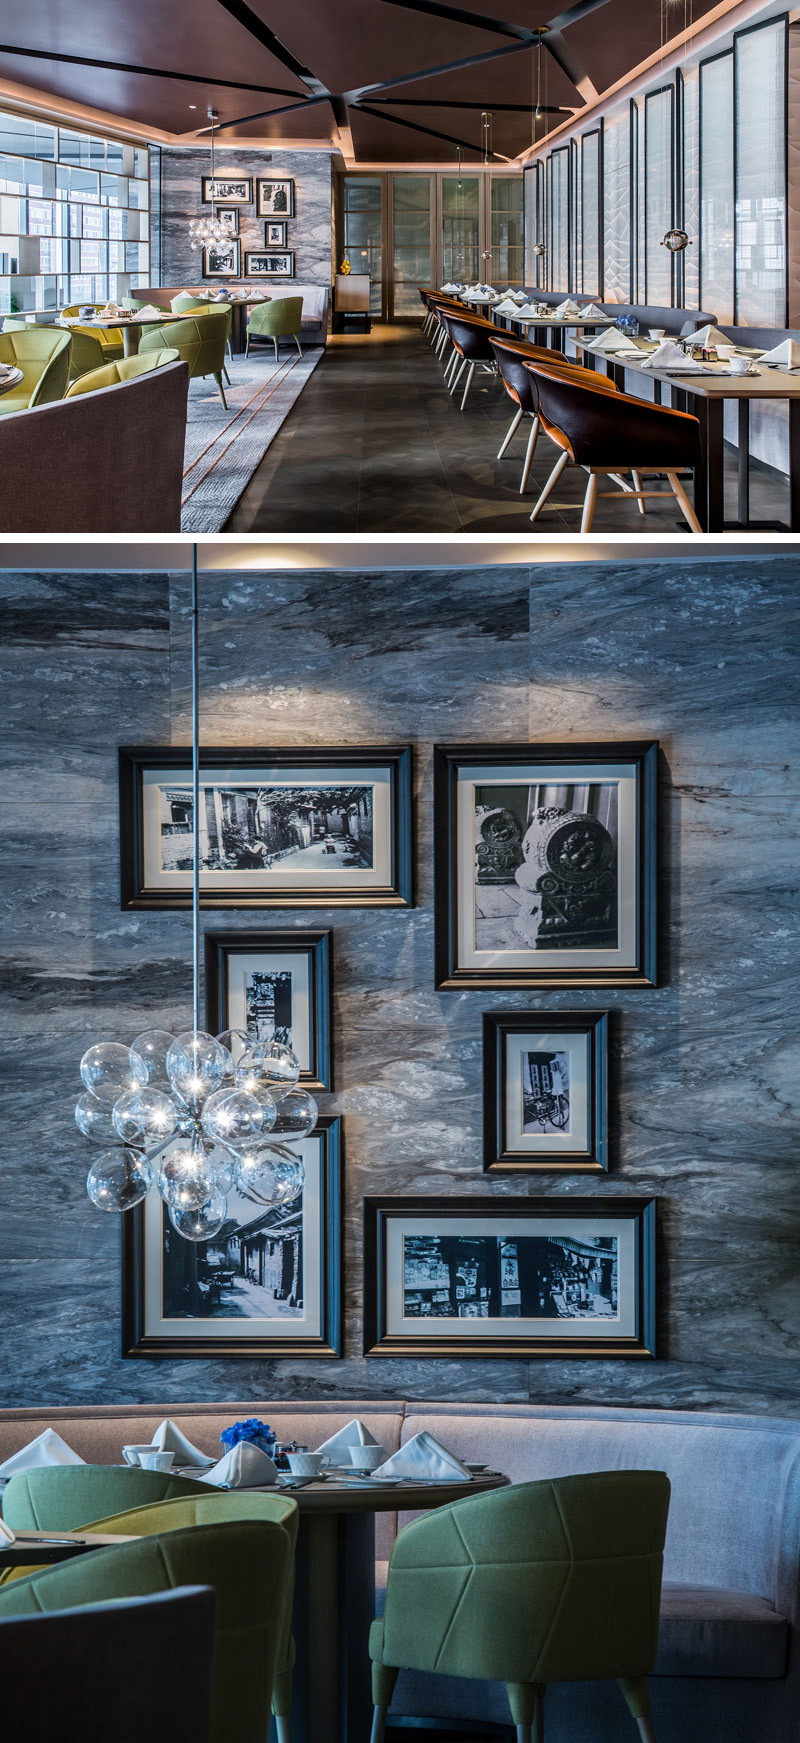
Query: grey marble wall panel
(308, 232)
(705, 1068)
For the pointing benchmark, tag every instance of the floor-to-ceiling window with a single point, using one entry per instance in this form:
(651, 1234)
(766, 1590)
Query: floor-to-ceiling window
(461, 229)
(74, 216)
(429, 229)
(412, 242)
(506, 231)
(760, 192)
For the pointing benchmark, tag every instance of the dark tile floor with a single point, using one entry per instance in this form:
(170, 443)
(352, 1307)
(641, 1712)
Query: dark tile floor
(374, 444)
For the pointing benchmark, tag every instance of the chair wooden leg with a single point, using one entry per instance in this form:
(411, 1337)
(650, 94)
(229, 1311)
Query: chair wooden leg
(637, 485)
(538, 1718)
(297, 343)
(523, 1733)
(688, 511)
(378, 1725)
(646, 1731)
(283, 1727)
(515, 423)
(247, 347)
(226, 375)
(468, 386)
(275, 343)
(529, 453)
(589, 503)
(457, 376)
(452, 365)
(218, 380)
(562, 461)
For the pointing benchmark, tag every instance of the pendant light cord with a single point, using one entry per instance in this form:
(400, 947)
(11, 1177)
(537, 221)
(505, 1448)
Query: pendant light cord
(195, 801)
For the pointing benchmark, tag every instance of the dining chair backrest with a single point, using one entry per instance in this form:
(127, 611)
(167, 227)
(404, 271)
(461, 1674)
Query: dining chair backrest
(510, 356)
(65, 1497)
(43, 355)
(607, 429)
(122, 369)
(248, 1563)
(471, 336)
(278, 318)
(188, 300)
(85, 1663)
(200, 340)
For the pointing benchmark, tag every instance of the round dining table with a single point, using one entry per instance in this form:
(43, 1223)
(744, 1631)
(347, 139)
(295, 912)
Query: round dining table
(130, 326)
(11, 379)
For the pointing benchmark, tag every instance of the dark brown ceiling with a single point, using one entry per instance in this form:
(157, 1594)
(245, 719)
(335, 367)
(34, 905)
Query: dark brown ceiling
(409, 77)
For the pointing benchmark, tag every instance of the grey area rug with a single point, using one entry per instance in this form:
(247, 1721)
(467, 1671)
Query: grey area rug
(223, 448)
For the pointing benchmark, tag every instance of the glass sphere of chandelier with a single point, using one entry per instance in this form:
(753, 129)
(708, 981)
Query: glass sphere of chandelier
(203, 232)
(198, 1117)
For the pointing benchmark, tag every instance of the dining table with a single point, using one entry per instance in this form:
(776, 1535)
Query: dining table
(45, 1548)
(130, 325)
(545, 329)
(11, 378)
(238, 307)
(705, 392)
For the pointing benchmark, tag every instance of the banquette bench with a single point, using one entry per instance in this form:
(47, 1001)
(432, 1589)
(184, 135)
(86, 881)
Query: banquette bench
(729, 1658)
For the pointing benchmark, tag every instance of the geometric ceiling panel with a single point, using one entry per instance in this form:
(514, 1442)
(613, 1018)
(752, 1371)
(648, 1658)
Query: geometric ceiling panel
(612, 53)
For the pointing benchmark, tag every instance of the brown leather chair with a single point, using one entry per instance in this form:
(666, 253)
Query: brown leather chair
(520, 385)
(471, 337)
(440, 305)
(611, 433)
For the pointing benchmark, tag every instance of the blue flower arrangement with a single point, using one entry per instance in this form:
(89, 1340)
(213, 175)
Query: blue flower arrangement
(259, 1433)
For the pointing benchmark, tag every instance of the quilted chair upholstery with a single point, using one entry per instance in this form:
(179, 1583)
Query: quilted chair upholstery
(542, 1582)
(109, 339)
(43, 355)
(110, 373)
(186, 300)
(65, 1497)
(200, 341)
(276, 320)
(248, 1563)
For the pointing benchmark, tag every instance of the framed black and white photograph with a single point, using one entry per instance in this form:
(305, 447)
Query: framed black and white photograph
(275, 235)
(509, 1276)
(279, 828)
(545, 1098)
(231, 190)
(545, 871)
(268, 1284)
(275, 986)
(229, 216)
(223, 259)
(275, 197)
(269, 263)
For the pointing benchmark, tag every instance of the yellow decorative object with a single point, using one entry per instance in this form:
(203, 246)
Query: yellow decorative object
(345, 266)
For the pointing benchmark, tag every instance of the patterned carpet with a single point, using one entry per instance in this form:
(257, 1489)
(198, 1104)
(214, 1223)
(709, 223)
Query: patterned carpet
(223, 448)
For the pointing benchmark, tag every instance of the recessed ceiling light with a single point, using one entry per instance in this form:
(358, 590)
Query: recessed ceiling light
(192, 105)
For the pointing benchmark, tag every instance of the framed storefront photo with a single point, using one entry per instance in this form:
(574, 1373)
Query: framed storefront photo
(317, 826)
(268, 1284)
(274, 986)
(546, 864)
(545, 1091)
(509, 1276)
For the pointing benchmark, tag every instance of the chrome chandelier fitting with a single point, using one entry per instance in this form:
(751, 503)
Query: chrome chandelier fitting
(203, 232)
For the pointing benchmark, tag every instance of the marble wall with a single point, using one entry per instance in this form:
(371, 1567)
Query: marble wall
(705, 1069)
(308, 232)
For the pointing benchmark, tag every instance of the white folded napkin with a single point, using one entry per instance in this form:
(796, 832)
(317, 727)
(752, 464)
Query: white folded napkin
(708, 335)
(787, 353)
(593, 312)
(611, 341)
(668, 355)
(527, 312)
(567, 308)
(47, 1449)
(149, 313)
(506, 307)
(244, 1467)
(169, 1438)
(520, 297)
(354, 1433)
(424, 1456)
(110, 311)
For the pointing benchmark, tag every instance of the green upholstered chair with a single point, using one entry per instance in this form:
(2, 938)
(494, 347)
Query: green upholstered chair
(64, 1497)
(122, 370)
(248, 1563)
(276, 320)
(43, 354)
(87, 353)
(109, 339)
(542, 1582)
(186, 300)
(200, 340)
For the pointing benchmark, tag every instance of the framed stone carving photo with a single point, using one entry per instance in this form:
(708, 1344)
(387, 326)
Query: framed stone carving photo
(274, 986)
(275, 235)
(504, 1276)
(545, 1098)
(545, 870)
(316, 826)
(269, 263)
(275, 197)
(223, 259)
(269, 1284)
(231, 190)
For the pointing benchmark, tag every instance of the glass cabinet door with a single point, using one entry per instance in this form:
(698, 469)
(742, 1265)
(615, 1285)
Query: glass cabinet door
(461, 261)
(411, 242)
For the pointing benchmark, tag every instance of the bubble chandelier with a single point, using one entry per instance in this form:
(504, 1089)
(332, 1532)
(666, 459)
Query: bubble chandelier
(205, 231)
(196, 1115)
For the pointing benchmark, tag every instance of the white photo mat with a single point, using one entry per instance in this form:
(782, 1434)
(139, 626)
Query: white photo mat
(240, 967)
(577, 1136)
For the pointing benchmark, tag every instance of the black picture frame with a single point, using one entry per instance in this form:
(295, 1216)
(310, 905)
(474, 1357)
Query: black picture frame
(221, 947)
(137, 1341)
(265, 200)
(281, 226)
(211, 271)
(638, 1212)
(258, 263)
(229, 215)
(243, 199)
(500, 1156)
(640, 968)
(392, 761)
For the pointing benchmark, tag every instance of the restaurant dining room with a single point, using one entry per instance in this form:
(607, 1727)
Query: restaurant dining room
(400, 1297)
(400, 266)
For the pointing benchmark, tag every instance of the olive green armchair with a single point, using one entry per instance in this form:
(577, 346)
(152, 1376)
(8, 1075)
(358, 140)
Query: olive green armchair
(279, 319)
(64, 1497)
(540, 1582)
(186, 300)
(43, 355)
(124, 369)
(110, 339)
(200, 341)
(248, 1563)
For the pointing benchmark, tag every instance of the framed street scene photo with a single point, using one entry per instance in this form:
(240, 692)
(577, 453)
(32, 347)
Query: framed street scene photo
(275, 198)
(274, 986)
(320, 826)
(269, 263)
(269, 1284)
(545, 1101)
(232, 190)
(546, 864)
(275, 235)
(229, 216)
(509, 1277)
(223, 259)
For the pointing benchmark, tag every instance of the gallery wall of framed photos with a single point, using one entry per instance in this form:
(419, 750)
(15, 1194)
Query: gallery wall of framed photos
(275, 209)
(555, 1104)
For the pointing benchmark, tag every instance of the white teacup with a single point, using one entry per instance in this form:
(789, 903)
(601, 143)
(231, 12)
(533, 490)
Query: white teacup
(307, 1464)
(738, 365)
(366, 1458)
(156, 1461)
(131, 1454)
(657, 332)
